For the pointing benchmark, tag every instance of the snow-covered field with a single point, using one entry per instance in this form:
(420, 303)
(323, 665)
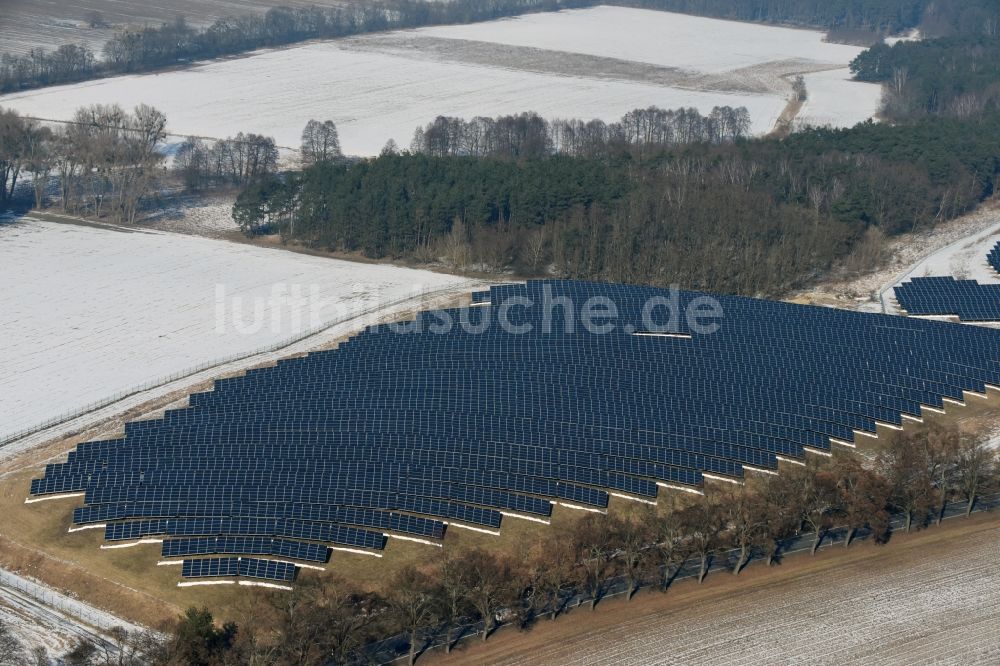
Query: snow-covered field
(28, 24)
(591, 63)
(89, 312)
(834, 99)
(202, 215)
(659, 38)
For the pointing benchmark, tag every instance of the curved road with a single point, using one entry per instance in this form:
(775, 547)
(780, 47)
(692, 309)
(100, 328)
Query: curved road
(966, 256)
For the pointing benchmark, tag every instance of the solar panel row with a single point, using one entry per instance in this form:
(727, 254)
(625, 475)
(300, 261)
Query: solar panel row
(404, 432)
(238, 545)
(245, 526)
(216, 567)
(994, 257)
(966, 299)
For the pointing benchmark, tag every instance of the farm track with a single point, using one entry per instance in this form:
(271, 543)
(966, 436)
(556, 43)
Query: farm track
(762, 78)
(926, 598)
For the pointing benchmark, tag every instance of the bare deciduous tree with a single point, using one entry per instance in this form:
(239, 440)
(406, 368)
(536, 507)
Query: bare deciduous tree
(903, 463)
(489, 583)
(746, 519)
(702, 524)
(633, 537)
(863, 497)
(320, 142)
(412, 604)
(976, 467)
(452, 593)
(595, 545)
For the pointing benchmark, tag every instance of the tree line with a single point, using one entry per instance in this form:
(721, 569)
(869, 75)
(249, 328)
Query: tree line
(755, 217)
(108, 162)
(240, 160)
(934, 18)
(331, 620)
(957, 76)
(143, 48)
(529, 136)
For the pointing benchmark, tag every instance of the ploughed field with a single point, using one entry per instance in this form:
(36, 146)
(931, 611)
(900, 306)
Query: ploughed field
(925, 598)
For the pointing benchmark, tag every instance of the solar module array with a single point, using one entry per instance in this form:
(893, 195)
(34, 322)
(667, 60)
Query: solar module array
(994, 258)
(966, 299)
(405, 431)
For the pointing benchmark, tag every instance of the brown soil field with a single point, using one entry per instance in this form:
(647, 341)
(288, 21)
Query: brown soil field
(929, 597)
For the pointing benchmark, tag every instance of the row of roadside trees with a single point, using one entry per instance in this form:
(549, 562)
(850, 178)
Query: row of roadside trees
(915, 475)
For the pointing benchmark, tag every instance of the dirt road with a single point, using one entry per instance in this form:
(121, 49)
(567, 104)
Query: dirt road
(927, 598)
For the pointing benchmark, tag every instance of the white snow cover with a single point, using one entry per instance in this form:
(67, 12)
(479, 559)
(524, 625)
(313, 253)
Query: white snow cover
(659, 38)
(835, 100)
(89, 312)
(384, 87)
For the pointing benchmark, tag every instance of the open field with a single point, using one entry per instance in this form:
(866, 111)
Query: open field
(835, 100)
(93, 310)
(565, 64)
(27, 24)
(925, 598)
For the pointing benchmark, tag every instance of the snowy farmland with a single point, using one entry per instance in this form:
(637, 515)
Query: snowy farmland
(89, 311)
(590, 63)
(28, 24)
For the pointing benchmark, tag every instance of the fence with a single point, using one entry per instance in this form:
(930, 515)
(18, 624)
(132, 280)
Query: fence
(67, 605)
(397, 647)
(218, 362)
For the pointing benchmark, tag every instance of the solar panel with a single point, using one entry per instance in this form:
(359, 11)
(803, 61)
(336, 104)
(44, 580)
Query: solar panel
(403, 433)
(219, 567)
(237, 545)
(993, 258)
(945, 296)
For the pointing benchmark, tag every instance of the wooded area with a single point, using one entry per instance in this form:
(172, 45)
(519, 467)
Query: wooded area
(755, 217)
(935, 19)
(328, 619)
(957, 76)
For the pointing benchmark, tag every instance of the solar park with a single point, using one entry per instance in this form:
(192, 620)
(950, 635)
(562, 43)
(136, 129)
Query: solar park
(968, 300)
(413, 433)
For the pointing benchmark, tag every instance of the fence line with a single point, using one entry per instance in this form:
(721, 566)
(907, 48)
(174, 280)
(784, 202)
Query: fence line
(207, 365)
(52, 599)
